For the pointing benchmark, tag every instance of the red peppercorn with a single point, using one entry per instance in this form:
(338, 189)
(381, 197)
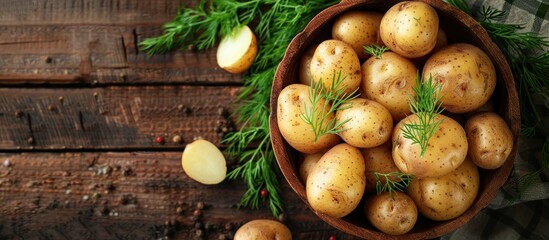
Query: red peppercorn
(159, 140)
(263, 192)
(332, 238)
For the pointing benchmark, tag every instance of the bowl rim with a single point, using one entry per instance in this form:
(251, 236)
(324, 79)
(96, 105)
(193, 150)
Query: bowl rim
(512, 117)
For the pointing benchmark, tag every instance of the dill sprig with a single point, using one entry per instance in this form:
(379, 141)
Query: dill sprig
(426, 105)
(334, 99)
(392, 182)
(529, 61)
(375, 50)
(275, 23)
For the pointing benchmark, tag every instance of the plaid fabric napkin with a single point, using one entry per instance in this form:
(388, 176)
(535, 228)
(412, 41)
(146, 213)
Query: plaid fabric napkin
(511, 215)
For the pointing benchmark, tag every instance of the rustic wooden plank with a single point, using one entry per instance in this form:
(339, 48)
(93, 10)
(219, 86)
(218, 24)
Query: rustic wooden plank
(131, 195)
(99, 54)
(16, 12)
(116, 117)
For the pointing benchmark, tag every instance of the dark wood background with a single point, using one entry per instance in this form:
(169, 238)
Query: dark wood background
(80, 109)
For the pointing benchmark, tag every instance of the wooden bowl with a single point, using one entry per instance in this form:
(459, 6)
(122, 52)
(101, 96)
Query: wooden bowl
(459, 28)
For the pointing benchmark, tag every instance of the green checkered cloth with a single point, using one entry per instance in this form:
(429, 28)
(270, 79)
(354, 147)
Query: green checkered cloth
(511, 215)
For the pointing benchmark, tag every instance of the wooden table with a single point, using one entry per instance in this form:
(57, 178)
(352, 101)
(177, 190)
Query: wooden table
(81, 108)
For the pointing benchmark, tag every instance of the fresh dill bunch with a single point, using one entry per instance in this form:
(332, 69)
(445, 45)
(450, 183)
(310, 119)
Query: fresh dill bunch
(275, 23)
(335, 98)
(375, 50)
(426, 105)
(386, 182)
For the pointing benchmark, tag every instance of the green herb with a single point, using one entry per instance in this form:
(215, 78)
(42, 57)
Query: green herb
(385, 182)
(529, 62)
(275, 23)
(375, 50)
(333, 99)
(426, 105)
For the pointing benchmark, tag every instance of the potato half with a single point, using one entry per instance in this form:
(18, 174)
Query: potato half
(236, 52)
(203, 162)
(263, 229)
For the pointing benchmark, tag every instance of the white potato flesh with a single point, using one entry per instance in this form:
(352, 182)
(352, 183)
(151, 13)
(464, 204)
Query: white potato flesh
(390, 80)
(236, 52)
(203, 162)
(445, 150)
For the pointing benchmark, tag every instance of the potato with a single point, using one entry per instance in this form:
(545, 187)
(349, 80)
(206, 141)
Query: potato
(336, 184)
(394, 215)
(358, 29)
(390, 80)
(203, 162)
(237, 52)
(449, 196)
(490, 140)
(308, 163)
(369, 123)
(292, 101)
(263, 229)
(378, 159)
(333, 57)
(466, 74)
(446, 149)
(305, 66)
(410, 28)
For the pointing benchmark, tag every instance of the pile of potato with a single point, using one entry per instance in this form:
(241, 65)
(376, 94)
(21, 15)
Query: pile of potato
(337, 168)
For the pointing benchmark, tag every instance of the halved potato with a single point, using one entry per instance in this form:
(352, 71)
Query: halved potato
(203, 162)
(236, 52)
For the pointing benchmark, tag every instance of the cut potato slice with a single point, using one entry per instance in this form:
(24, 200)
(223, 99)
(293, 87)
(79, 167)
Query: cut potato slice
(237, 52)
(203, 162)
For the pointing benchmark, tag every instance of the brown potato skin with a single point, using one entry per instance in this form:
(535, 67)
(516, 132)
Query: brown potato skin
(305, 76)
(449, 196)
(390, 80)
(291, 104)
(308, 163)
(333, 57)
(370, 123)
(490, 140)
(395, 216)
(378, 159)
(446, 151)
(336, 184)
(358, 29)
(410, 28)
(263, 229)
(466, 74)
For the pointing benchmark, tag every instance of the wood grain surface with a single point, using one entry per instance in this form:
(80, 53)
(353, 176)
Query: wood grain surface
(81, 108)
